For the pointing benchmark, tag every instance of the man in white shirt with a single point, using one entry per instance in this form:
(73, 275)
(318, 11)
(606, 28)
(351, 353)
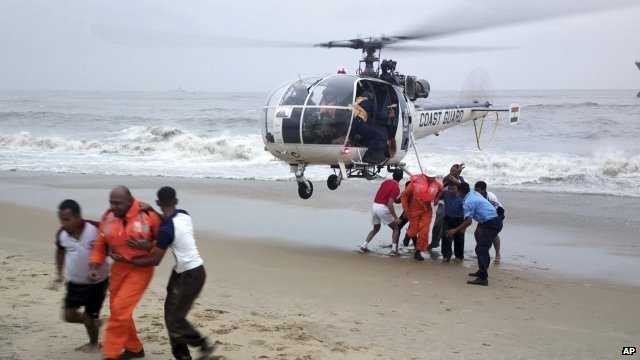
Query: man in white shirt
(74, 242)
(481, 187)
(187, 278)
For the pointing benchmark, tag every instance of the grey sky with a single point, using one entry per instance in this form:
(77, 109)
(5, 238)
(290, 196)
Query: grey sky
(53, 45)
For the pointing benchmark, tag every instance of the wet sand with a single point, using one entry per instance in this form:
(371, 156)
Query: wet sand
(284, 281)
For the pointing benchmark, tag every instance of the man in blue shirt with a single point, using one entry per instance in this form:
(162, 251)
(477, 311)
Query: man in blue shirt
(453, 217)
(477, 208)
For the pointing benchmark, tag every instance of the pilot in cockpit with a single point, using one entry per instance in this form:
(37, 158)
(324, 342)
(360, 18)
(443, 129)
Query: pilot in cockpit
(325, 129)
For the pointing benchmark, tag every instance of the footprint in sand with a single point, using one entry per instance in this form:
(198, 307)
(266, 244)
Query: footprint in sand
(257, 342)
(225, 329)
(229, 346)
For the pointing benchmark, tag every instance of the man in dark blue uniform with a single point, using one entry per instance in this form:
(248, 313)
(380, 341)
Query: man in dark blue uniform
(370, 135)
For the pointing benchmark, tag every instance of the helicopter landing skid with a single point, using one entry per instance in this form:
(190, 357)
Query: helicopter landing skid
(305, 187)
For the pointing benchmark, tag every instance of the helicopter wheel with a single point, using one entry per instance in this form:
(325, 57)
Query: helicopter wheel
(333, 181)
(305, 189)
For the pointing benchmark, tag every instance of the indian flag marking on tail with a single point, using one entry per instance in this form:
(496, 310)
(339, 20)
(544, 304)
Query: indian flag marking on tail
(514, 113)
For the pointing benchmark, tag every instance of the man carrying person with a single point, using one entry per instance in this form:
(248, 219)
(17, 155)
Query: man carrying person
(74, 242)
(125, 230)
(383, 211)
(477, 208)
(187, 278)
(416, 202)
(481, 187)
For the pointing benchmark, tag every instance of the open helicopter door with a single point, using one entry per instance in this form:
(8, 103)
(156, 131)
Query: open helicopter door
(405, 115)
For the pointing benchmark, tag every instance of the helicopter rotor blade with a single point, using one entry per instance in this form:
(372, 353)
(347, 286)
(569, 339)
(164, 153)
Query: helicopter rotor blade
(150, 38)
(482, 15)
(474, 16)
(437, 49)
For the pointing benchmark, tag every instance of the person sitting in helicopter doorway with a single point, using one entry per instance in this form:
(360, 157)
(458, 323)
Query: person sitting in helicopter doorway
(481, 187)
(383, 211)
(370, 136)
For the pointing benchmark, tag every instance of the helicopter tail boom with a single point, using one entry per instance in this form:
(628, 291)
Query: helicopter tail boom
(433, 121)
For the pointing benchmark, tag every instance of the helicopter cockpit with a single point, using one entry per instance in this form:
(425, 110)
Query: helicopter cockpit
(328, 111)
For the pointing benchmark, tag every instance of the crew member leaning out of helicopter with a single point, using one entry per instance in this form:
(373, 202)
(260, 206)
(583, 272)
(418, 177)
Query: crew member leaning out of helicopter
(374, 138)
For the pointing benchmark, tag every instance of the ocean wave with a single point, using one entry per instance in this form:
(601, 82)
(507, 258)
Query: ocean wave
(172, 151)
(149, 141)
(564, 105)
(608, 172)
(578, 105)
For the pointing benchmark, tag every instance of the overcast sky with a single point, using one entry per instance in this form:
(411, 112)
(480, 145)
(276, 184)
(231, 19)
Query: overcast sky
(162, 45)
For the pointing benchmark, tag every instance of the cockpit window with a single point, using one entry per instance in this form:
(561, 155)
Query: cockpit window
(333, 91)
(325, 125)
(327, 115)
(297, 92)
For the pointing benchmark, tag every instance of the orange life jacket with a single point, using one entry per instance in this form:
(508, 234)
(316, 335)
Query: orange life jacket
(425, 190)
(115, 232)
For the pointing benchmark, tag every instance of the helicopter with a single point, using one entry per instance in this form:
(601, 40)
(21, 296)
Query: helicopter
(321, 120)
(359, 124)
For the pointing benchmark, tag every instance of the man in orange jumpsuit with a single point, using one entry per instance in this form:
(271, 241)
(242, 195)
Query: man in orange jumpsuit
(419, 213)
(128, 231)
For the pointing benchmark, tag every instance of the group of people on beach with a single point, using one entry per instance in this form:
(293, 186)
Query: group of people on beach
(456, 207)
(136, 238)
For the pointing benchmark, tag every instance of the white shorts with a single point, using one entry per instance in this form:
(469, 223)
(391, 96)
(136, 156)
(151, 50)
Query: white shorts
(381, 214)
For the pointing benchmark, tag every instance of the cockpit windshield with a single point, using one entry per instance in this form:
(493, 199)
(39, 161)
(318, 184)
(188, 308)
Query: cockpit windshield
(327, 115)
(333, 91)
(321, 111)
(297, 92)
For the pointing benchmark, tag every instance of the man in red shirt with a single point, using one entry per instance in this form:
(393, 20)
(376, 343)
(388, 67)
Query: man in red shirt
(383, 212)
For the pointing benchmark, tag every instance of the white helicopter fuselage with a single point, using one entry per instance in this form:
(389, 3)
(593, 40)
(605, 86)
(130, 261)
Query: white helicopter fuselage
(414, 123)
(313, 121)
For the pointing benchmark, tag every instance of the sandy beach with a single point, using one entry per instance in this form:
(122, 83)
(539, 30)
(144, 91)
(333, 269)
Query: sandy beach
(284, 281)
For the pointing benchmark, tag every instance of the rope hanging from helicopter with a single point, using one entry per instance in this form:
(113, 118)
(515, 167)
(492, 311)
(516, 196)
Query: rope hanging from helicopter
(478, 132)
(415, 149)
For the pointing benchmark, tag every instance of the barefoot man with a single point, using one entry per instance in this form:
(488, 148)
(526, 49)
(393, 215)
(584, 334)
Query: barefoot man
(125, 230)
(74, 242)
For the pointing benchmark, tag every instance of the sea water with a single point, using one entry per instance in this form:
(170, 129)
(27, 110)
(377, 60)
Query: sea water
(567, 140)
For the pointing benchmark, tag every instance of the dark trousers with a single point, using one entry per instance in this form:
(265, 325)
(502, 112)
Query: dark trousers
(457, 239)
(486, 234)
(404, 220)
(182, 291)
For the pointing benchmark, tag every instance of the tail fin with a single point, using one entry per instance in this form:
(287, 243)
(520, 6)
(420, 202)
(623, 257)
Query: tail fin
(638, 64)
(514, 113)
